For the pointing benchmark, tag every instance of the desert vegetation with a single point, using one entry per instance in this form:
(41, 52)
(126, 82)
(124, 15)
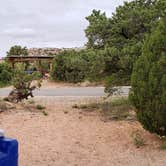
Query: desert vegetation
(23, 87)
(114, 44)
(17, 51)
(148, 92)
(116, 54)
(128, 48)
(6, 74)
(116, 109)
(126, 44)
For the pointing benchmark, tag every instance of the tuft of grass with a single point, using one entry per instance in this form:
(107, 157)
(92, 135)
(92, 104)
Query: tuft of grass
(31, 101)
(87, 107)
(75, 106)
(45, 113)
(40, 107)
(117, 109)
(138, 140)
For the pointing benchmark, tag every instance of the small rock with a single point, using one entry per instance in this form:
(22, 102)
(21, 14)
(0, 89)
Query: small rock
(85, 83)
(129, 118)
(10, 105)
(4, 105)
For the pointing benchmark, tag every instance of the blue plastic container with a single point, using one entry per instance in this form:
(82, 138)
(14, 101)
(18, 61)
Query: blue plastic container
(8, 152)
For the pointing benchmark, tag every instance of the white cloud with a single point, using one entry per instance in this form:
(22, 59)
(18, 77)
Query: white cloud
(20, 32)
(44, 23)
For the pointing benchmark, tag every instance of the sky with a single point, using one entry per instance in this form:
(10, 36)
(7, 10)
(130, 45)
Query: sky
(48, 23)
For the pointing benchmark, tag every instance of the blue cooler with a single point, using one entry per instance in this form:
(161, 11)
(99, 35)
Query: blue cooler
(8, 151)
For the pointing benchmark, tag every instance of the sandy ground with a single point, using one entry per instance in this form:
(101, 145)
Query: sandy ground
(55, 84)
(46, 83)
(70, 137)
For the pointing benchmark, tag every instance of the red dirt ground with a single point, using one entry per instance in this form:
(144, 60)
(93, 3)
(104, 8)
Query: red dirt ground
(70, 137)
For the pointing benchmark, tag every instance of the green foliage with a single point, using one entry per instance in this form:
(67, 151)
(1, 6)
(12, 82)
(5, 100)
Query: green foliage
(17, 50)
(149, 82)
(6, 74)
(131, 22)
(92, 65)
(40, 107)
(45, 113)
(31, 101)
(96, 32)
(23, 86)
(123, 34)
(45, 66)
(72, 66)
(114, 44)
(21, 79)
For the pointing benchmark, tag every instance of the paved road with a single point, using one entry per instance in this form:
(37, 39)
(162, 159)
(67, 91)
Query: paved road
(68, 91)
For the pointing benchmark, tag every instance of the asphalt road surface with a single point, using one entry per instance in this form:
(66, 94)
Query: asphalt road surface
(68, 91)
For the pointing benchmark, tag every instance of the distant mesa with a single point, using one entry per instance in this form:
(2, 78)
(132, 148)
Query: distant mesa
(49, 51)
(43, 51)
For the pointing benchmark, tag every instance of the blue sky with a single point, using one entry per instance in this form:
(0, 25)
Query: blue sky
(47, 23)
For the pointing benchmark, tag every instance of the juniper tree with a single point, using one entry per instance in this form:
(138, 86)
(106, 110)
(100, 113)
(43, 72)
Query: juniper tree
(148, 92)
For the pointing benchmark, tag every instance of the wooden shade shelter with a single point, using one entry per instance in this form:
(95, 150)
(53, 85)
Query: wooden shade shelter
(15, 59)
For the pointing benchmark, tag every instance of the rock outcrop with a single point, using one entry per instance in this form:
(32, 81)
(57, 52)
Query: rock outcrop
(43, 51)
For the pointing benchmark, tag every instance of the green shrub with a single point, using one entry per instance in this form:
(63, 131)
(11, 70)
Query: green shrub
(45, 113)
(17, 50)
(148, 92)
(24, 85)
(93, 65)
(73, 66)
(6, 74)
(31, 101)
(68, 66)
(138, 139)
(40, 107)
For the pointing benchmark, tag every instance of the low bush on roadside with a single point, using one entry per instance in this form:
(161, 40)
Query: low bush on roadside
(70, 66)
(23, 85)
(89, 64)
